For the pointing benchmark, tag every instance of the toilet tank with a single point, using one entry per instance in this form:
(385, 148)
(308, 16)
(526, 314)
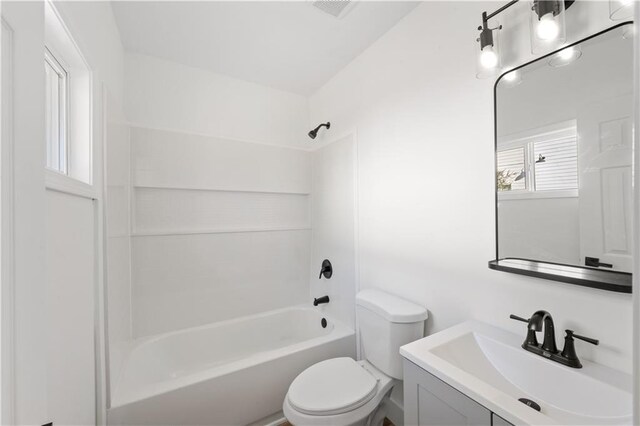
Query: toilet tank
(386, 322)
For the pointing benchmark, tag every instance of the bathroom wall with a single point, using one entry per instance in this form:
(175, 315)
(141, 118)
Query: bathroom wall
(333, 226)
(220, 212)
(165, 95)
(425, 224)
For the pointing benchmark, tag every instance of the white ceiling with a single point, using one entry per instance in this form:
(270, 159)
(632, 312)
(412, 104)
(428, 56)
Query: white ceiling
(289, 45)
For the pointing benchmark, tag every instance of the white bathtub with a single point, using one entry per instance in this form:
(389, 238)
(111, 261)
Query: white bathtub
(228, 373)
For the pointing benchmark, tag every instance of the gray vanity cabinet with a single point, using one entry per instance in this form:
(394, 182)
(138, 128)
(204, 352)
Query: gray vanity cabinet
(430, 401)
(496, 420)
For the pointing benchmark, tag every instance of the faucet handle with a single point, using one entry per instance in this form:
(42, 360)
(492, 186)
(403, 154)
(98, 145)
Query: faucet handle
(586, 339)
(569, 351)
(517, 318)
(531, 339)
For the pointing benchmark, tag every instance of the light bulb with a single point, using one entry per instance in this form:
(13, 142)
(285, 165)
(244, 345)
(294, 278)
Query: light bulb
(567, 54)
(488, 58)
(511, 76)
(547, 28)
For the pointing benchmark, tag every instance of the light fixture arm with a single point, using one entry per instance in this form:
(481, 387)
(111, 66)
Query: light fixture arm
(486, 17)
(486, 33)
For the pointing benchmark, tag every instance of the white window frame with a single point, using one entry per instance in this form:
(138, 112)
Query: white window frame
(63, 110)
(526, 140)
(62, 48)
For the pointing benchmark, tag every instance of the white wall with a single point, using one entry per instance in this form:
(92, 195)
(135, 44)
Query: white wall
(426, 231)
(70, 267)
(166, 95)
(333, 227)
(96, 33)
(25, 402)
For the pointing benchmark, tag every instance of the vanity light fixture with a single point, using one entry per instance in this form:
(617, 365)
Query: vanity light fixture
(566, 56)
(547, 24)
(547, 33)
(488, 62)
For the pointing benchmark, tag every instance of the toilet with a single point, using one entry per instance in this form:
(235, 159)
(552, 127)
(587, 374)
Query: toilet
(342, 391)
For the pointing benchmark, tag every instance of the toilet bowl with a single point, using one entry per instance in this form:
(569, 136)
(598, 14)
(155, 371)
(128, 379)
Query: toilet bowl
(338, 391)
(342, 391)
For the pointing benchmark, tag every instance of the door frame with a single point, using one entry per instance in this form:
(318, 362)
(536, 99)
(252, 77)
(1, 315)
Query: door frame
(7, 283)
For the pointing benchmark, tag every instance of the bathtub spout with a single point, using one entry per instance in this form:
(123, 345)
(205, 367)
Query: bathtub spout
(320, 300)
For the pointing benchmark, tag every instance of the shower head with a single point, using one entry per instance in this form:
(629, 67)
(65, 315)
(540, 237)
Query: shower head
(314, 132)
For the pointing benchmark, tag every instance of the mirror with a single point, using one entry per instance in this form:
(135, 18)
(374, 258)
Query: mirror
(564, 137)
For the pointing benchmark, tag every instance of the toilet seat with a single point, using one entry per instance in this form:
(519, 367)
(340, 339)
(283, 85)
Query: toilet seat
(331, 387)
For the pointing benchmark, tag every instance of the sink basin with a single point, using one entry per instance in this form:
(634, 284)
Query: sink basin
(488, 365)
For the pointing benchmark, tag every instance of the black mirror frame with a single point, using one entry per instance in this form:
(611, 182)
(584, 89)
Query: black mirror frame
(616, 281)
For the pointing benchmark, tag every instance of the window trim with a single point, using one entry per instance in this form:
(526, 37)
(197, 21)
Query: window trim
(63, 107)
(80, 109)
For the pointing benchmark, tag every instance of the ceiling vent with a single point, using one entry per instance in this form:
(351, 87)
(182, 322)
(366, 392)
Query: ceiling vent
(335, 8)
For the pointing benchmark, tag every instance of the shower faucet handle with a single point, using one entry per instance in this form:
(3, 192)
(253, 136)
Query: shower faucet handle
(326, 270)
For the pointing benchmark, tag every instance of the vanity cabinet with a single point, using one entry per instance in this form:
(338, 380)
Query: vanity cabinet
(430, 401)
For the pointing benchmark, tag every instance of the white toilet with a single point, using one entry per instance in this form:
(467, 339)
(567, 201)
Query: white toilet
(341, 391)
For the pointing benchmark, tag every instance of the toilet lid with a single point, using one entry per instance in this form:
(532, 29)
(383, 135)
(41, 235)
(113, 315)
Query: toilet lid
(330, 387)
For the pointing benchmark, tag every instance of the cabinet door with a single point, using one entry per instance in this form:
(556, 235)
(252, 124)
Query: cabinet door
(430, 401)
(496, 420)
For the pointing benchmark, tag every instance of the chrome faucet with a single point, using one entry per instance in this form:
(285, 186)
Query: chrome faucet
(548, 349)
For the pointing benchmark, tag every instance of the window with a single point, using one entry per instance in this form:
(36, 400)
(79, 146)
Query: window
(56, 113)
(539, 164)
(556, 164)
(68, 108)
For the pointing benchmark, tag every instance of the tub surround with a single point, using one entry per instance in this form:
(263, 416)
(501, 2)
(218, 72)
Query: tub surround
(221, 229)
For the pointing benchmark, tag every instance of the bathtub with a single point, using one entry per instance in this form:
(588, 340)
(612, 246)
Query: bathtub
(229, 373)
